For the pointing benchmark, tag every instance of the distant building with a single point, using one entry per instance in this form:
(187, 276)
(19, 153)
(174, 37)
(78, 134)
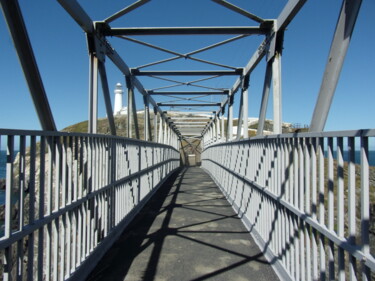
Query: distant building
(118, 109)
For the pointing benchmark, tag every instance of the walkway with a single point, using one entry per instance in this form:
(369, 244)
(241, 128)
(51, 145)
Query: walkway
(187, 231)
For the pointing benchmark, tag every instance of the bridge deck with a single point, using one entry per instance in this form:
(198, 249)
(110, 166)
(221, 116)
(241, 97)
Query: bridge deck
(187, 231)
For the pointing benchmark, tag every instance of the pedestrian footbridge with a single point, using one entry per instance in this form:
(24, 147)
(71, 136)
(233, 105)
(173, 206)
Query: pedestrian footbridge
(261, 204)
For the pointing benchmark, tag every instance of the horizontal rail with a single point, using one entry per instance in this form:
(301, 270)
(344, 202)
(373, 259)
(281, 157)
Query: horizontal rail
(307, 198)
(210, 30)
(196, 93)
(137, 72)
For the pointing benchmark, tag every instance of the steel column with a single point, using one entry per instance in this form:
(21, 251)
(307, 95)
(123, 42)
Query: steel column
(155, 138)
(336, 57)
(222, 128)
(277, 107)
(93, 95)
(230, 119)
(147, 125)
(17, 28)
(210, 30)
(107, 97)
(132, 111)
(245, 106)
(160, 139)
(218, 132)
(264, 104)
(240, 118)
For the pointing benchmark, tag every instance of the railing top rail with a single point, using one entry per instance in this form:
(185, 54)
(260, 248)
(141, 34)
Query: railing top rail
(333, 134)
(16, 132)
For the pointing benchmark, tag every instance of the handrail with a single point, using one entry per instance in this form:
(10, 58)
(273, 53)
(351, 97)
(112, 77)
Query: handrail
(305, 198)
(69, 195)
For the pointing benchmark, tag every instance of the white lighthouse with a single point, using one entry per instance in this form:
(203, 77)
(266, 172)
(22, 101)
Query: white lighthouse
(118, 108)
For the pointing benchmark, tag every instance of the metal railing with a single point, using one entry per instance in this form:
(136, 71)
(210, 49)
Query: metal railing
(68, 196)
(308, 200)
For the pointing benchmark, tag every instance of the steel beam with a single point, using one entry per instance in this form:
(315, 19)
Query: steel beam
(336, 57)
(288, 13)
(209, 30)
(192, 112)
(21, 41)
(189, 122)
(191, 126)
(137, 72)
(126, 10)
(255, 59)
(189, 118)
(122, 66)
(238, 10)
(196, 93)
(188, 104)
(78, 14)
(107, 97)
(196, 51)
(179, 55)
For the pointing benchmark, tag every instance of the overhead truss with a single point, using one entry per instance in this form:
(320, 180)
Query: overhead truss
(169, 128)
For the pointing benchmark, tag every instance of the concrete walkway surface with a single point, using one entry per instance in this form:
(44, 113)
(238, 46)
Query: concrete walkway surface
(187, 231)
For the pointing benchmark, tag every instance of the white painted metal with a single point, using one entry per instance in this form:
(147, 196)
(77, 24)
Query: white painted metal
(277, 107)
(290, 183)
(245, 113)
(336, 57)
(93, 95)
(71, 180)
(265, 95)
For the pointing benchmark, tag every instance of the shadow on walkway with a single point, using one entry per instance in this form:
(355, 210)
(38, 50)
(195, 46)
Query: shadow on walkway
(187, 231)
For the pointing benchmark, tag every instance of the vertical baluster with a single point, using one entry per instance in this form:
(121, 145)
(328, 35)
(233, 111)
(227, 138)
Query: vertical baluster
(31, 189)
(352, 205)
(331, 211)
(314, 202)
(365, 206)
(307, 168)
(42, 157)
(301, 189)
(49, 206)
(340, 207)
(22, 187)
(321, 208)
(8, 223)
(63, 204)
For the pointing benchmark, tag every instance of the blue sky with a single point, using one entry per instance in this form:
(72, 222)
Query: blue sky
(60, 50)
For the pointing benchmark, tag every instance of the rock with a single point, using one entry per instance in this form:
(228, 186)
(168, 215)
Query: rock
(2, 184)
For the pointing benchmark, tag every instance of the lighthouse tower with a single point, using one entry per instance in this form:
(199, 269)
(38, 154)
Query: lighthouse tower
(118, 99)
